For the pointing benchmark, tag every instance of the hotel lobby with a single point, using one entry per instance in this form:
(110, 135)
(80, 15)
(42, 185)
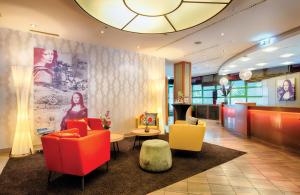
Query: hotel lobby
(169, 97)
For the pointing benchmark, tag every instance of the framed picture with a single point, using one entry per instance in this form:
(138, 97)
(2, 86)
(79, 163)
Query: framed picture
(286, 90)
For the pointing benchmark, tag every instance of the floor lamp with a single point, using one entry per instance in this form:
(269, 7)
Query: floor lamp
(22, 142)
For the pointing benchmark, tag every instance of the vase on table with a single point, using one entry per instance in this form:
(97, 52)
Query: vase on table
(147, 129)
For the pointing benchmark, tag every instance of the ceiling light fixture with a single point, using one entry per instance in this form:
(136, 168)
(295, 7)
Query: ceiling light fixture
(261, 64)
(245, 75)
(155, 16)
(270, 49)
(223, 81)
(287, 63)
(102, 32)
(287, 55)
(245, 59)
(222, 34)
(232, 66)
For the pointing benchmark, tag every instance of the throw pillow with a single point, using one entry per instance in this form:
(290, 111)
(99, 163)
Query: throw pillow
(87, 125)
(151, 117)
(192, 120)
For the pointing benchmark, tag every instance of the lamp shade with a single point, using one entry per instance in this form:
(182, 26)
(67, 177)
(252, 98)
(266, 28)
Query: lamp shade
(245, 75)
(155, 16)
(223, 81)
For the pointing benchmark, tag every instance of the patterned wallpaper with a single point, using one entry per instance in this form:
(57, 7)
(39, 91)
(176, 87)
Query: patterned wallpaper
(123, 82)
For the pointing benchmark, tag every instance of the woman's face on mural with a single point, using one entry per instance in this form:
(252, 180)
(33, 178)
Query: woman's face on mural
(286, 86)
(76, 98)
(48, 56)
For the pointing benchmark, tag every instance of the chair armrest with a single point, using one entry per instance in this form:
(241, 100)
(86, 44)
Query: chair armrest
(184, 136)
(73, 130)
(82, 155)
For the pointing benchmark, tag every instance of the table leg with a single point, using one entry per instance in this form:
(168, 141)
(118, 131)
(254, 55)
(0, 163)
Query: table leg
(118, 147)
(134, 143)
(115, 154)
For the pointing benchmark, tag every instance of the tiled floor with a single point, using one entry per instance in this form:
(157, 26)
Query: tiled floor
(263, 170)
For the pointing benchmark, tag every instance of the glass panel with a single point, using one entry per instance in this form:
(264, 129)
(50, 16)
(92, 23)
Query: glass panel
(144, 24)
(105, 11)
(207, 100)
(220, 100)
(254, 84)
(208, 87)
(197, 101)
(196, 87)
(207, 93)
(197, 94)
(220, 94)
(191, 14)
(254, 92)
(238, 84)
(237, 92)
(237, 100)
(153, 7)
(258, 101)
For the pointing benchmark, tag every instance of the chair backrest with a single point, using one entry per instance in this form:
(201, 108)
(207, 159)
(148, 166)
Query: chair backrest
(187, 137)
(81, 125)
(95, 123)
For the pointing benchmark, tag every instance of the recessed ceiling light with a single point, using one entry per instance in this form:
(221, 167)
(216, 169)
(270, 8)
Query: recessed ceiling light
(287, 55)
(245, 59)
(33, 25)
(197, 42)
(138, 47)
(270, 49)
(261, 64)
(232, 66)
(222, 34)
(287, 63)
(102, 31)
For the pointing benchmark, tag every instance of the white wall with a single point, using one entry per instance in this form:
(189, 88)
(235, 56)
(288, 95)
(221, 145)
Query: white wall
(270, 93)
(126, 83)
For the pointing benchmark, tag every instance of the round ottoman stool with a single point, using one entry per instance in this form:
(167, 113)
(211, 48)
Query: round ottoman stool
(155, 155)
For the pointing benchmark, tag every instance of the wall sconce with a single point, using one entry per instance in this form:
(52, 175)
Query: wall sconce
(22, 142)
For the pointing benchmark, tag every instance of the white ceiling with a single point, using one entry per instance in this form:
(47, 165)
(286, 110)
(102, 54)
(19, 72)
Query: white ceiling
(259, 59)
(243, 22)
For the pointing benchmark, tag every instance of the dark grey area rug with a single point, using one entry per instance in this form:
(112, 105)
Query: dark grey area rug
(29, 175)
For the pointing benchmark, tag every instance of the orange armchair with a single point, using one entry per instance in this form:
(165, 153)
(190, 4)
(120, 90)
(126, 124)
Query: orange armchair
(73, 155)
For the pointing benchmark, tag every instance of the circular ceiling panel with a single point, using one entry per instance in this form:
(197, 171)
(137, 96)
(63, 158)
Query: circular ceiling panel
(155, 16)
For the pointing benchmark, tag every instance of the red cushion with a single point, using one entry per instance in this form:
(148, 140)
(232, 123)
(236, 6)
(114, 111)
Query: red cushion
(66, 135)
(95, 123)
(82, 126)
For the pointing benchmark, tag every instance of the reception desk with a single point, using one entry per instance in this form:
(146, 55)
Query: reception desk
(276, 125)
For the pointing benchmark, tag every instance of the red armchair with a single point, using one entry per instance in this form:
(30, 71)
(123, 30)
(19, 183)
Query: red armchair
(76, 155)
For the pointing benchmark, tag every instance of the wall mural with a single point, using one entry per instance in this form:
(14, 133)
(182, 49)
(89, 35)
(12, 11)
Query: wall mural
(286, 90)
(60, 88)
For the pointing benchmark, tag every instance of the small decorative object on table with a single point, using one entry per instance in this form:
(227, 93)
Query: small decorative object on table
(147, 120)
(106, 122)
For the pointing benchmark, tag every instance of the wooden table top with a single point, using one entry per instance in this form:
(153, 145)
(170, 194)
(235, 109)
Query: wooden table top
(115, 137)
(141, 132)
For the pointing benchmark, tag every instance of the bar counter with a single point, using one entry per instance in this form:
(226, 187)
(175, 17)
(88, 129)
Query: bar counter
(275, 125)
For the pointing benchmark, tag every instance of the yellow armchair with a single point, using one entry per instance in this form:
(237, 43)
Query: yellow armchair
(139, 124)
(183, 136)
